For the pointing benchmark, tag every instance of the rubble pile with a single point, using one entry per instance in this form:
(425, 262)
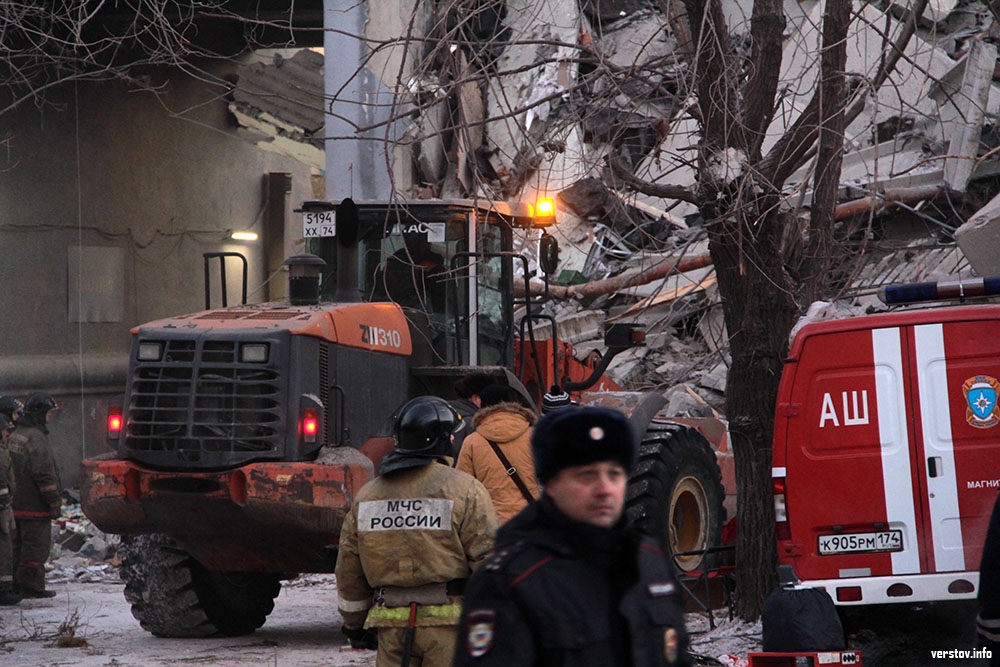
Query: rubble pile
(80, 551)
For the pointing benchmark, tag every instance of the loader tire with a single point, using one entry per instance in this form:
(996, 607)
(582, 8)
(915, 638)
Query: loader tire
(172, 595)
(676, 493)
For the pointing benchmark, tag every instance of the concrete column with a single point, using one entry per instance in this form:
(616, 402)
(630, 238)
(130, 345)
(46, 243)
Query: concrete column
(356, 164)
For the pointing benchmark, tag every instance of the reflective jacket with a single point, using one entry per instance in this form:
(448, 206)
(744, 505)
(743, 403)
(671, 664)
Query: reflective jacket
(509, 425)
(39, 491)
(430, 524)
(562, 593)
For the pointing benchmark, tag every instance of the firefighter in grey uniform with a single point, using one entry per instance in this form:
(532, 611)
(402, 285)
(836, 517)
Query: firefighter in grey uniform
(413, 536)
(7, 594)
(38, 498)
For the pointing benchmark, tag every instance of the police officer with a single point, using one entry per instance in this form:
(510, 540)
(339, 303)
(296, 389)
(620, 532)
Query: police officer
(569, 583)
(413, 536)
(7, 594)
(38, 497)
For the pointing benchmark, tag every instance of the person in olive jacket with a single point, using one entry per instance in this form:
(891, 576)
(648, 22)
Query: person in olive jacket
(37, 498)
(569, 583)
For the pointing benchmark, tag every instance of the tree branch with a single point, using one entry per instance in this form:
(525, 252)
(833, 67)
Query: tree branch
(617, 283)
(625, 177)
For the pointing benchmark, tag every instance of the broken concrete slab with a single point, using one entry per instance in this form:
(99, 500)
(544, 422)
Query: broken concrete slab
(712, 329)
(627, 364)
(715, 379)
(902, 162)
(585, 325)
(963, 110)
(917, 261)
(681, 403)
(660, 339)
(979, 239)
(537, 62)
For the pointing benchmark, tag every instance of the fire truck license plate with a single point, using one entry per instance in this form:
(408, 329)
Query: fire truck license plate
(852, 543)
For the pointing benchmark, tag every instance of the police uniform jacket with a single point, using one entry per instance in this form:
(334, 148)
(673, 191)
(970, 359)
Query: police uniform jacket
(561, 593)
(509, 425)
(38, 493)
(429, 524)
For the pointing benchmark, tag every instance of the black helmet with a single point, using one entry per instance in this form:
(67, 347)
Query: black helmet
(423, 430)
(11, 407)
(36, 407)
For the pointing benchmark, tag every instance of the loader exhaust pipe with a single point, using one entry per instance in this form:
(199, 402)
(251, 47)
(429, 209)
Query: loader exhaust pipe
(348, 289)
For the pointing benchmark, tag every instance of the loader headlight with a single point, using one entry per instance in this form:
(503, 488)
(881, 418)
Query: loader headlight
(253, 353)
(150, 351)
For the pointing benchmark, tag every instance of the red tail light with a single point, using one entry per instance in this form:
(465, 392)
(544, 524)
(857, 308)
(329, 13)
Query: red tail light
(115, 421)
(310, 425)
(781, 528)
(849, 594)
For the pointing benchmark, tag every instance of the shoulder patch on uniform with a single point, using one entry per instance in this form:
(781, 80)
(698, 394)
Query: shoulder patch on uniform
(504, 555)
(497, 559)
(661, 588)
(480, 631)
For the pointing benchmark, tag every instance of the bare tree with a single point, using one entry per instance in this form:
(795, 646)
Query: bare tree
(492, 105)
(769, 266)
(47, 44)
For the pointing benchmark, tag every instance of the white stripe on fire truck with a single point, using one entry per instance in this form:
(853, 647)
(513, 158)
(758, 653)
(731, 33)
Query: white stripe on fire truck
(932, 378)
(897, 482)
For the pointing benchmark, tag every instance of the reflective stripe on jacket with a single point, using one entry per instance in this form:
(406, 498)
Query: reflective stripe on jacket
(417, 526)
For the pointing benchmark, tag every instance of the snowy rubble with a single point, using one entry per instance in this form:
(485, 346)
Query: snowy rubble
(81, 553)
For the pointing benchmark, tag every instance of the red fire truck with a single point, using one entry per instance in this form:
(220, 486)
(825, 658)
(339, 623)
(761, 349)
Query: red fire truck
(887, 449)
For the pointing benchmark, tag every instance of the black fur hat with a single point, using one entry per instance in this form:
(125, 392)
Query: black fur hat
(579, 436)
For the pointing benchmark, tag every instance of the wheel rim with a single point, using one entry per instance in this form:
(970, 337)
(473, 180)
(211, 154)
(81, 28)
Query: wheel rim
(688, 524)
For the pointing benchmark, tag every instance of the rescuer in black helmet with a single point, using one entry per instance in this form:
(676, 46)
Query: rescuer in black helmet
(38, 496)
(422, 430)
(11, 408)
(413, 536)
(36, 411)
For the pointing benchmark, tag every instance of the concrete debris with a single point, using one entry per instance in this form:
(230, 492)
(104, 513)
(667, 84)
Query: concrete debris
(979, 238)
(715, 379)
(80, 552)
(922, 156)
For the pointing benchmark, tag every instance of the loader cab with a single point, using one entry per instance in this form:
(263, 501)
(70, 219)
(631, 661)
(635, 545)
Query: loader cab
(448, 264)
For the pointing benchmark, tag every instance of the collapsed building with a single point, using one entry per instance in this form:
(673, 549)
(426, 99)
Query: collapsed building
(507, 100)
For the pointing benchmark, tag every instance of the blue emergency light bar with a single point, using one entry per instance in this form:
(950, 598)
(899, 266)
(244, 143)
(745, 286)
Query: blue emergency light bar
(895, 295)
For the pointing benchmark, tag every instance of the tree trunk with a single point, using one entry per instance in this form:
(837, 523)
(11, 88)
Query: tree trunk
(759, 310)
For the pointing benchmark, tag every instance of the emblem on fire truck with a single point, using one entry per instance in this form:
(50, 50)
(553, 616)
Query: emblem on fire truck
(981, 398)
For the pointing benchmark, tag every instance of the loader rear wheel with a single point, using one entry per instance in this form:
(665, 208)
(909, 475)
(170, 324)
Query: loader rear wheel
(172, 595)
(676, 493)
